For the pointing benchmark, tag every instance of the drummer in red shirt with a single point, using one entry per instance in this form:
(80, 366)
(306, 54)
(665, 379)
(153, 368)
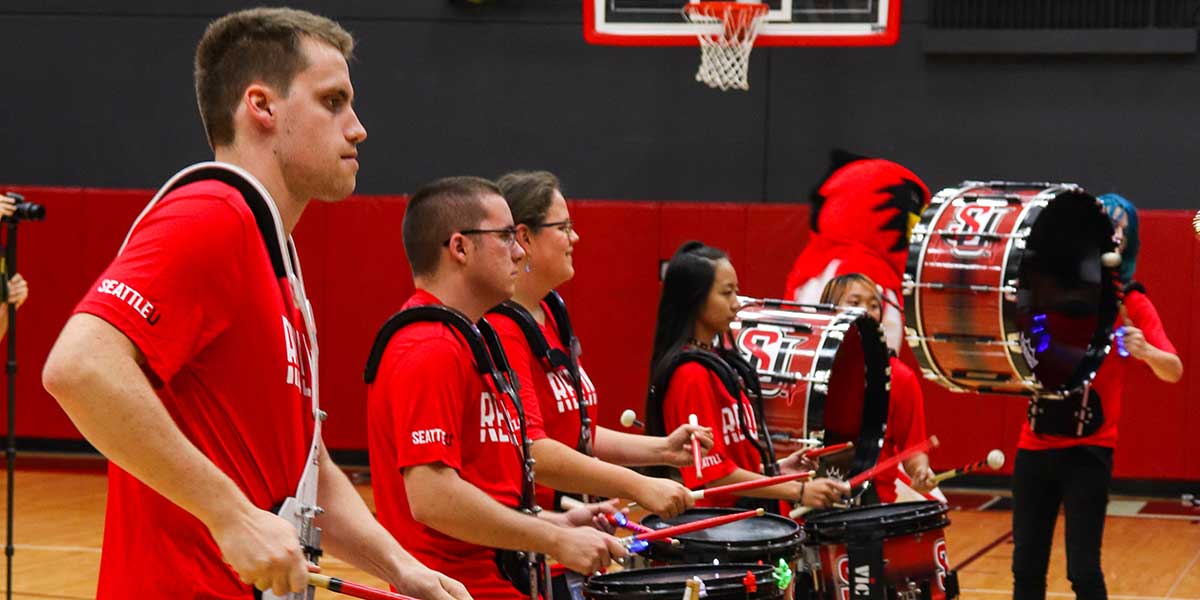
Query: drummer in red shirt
(445, 445)
(906, 403)
(699, 301)
(1055, 468)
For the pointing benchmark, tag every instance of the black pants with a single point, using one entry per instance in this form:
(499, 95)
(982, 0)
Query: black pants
(1076, 478)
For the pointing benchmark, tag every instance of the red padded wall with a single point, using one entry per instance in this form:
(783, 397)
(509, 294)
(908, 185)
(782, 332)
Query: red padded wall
(357, 276)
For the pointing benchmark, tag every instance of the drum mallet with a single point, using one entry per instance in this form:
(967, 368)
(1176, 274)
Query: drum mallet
(354, 590)
(891, 463)
(618, 519)
(994, 460)
(722, 490)
(629, 419)
(694, 422)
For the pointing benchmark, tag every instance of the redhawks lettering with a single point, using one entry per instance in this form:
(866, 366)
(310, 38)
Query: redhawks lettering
(130, 296)
(564, 392)
(492, 426)
(731, 432)
(297, 371)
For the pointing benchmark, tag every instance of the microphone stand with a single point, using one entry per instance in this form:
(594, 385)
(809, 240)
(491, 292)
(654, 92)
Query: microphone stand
(10, 266)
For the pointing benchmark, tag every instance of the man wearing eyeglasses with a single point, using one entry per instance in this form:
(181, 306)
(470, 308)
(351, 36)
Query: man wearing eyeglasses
(446, 465)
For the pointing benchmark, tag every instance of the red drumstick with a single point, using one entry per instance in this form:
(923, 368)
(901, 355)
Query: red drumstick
(709, 523)
(834, 449)
(724, 490)
(891, 463)
(692, 420)
(902, 476)
(355, 590)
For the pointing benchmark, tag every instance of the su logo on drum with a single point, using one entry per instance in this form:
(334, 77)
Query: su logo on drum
(978, 219)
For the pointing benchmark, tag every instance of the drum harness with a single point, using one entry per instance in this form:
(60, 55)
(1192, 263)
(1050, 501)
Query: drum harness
(300, 509)
(553, 359)
(527, 571)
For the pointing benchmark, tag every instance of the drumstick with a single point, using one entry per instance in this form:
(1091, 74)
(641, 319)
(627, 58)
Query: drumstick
(890, 463)
(994, 460)
(834, 449)
(723, 490)
(618, 519)
(629, 419)
(683, 528)
(693, 421)
(355, 590)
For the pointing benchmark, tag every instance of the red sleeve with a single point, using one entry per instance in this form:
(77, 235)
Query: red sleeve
(520, 358)
(1145, 317)
(906, 409)
(174, 287)
(428, 396)
(693, 390)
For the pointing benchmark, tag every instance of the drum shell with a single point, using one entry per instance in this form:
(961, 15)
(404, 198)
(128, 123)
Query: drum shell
(912, 535)
(812, 362)
(966, 289)
(722, 582)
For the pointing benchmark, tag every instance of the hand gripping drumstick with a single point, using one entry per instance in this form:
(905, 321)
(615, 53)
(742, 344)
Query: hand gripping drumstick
(724, 490)
(695, 446)
(994, 460)
(354, 590)
(891, 463)
(902, 476)
(629, 419)
(618, 519)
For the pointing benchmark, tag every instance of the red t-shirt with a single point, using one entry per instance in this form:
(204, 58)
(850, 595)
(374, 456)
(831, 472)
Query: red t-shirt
(1109, 381)
(430, 405)
(227, 354)
(551, 408)
(905, 423)
(693, 389)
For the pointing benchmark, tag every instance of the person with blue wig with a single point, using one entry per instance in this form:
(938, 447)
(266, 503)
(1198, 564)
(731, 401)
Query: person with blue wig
(1074, 471)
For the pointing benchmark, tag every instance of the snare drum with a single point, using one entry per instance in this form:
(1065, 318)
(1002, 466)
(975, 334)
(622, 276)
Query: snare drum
(765, 538)
(1004, 290)
(824, 375)
(888, 551)
(721, 582)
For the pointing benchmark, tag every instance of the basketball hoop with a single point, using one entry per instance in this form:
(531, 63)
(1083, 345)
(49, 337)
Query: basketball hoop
(725, 50)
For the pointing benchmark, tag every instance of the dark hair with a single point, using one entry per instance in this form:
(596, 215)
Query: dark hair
(528, 194)
(436, 211)
(686, 287)
(259, 44)
(835, 289)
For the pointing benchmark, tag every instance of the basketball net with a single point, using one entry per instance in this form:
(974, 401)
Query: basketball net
(725, 49)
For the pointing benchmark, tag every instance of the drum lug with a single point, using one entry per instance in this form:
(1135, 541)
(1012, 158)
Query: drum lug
(912, 592)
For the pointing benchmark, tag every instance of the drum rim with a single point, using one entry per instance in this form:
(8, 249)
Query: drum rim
(795, 529)
(614, 584)
(921, 516)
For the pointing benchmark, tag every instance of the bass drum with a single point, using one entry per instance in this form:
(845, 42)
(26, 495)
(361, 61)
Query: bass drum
(824, 377)
(1004, 288)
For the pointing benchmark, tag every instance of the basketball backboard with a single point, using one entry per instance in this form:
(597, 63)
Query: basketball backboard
(789, 23)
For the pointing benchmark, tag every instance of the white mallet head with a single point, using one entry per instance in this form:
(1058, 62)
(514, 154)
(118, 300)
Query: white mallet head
(628, 418)
(1110, 260)
(995, 460)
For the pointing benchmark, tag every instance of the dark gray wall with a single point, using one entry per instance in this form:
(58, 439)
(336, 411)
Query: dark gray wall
(102, 97)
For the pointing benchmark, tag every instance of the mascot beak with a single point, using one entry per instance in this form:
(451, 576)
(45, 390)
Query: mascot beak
(914, 218)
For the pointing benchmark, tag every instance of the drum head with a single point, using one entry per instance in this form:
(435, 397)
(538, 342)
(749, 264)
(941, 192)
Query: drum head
(765, 538)
(874, 522)
(668, 583)
(1066, 302)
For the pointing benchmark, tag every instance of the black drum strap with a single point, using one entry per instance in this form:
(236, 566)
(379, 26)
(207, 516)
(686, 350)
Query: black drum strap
(866, 569)
(1079, 414)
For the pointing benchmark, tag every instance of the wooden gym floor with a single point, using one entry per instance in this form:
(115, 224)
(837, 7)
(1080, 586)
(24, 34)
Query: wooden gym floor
(60, 515)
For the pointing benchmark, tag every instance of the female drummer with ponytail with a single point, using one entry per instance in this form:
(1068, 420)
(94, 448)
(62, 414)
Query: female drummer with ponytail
(906, 403)
(699, 301)
(534, 328)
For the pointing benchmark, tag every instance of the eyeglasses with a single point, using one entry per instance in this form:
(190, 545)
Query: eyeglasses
(566, 226)
(507, 235)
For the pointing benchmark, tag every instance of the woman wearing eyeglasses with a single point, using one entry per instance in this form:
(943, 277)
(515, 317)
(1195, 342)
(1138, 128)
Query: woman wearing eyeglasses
(531, 327)
(699, 301)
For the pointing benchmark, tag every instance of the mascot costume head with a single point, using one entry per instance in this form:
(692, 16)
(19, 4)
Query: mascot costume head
(861, 219)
